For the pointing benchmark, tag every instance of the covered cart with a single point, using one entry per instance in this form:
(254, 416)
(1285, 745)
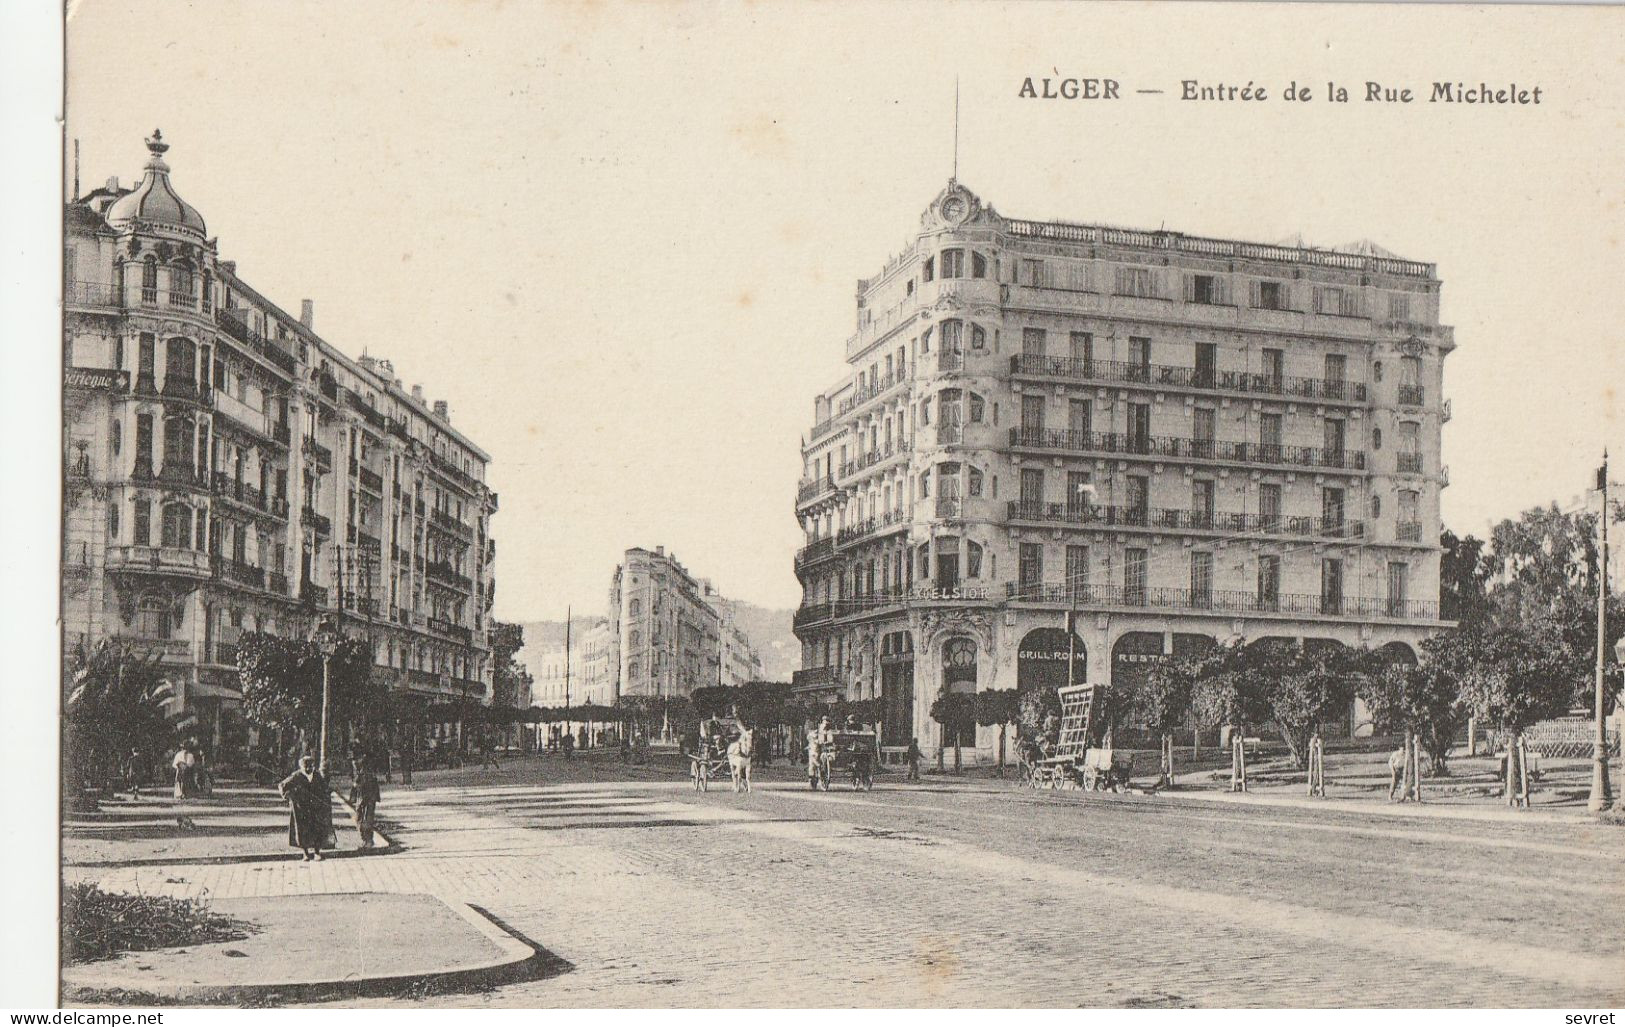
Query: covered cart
(848, 752)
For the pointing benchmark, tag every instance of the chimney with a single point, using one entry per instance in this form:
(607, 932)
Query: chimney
(112, 183)
(440, 410)
(307, 314)
(417, 393)
(660, 550)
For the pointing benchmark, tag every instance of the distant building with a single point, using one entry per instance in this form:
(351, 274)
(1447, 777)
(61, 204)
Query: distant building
(585, 673)
(1185, 439)
(667, 634)
(228, 470)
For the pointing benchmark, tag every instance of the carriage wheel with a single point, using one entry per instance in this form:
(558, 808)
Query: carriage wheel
(823, 777)
(704, 773)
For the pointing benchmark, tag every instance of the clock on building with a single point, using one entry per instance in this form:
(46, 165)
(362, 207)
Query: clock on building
(953, 208)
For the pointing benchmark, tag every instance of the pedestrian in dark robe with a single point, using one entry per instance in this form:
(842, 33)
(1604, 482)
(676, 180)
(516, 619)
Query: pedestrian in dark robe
(364, 800)
(310, 823)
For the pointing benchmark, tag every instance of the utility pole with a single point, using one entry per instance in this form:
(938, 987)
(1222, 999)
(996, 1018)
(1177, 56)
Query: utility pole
(568, 615)
(1600, 792)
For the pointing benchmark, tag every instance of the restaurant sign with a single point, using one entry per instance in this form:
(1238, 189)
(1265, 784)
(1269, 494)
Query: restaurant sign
(95, 379)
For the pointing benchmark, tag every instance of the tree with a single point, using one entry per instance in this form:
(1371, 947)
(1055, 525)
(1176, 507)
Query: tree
(1545, 580)
(1305, 687)
(1229, 690)
(1162, 702)
(116, 715)
(998, 707)
(1511, 677)
(1465, 570)
(281, 683)
(1038, 714)
(1423, 701)
(510, 680)
(956, 712)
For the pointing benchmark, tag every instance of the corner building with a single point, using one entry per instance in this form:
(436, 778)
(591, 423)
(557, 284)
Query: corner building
(1186, 440)
(227, 470)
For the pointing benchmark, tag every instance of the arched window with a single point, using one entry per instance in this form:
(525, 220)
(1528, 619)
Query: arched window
(632, 639)
(112, 521)
(149, 280)
(117, 435)
(978, 337)
(978, 408)
(973, 484)
(152, 617)
(973, 560)
(1376, 370)
(925, 341)
(1376, 507)
(953, 337)
(978, 265)
(635, 608)
(177, 526)
(1376, 438)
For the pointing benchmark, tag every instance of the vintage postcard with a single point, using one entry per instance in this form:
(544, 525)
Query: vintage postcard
(923, 505)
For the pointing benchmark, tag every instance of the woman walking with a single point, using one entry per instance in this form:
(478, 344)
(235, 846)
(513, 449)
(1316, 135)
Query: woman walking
(310, 822)
(364, 800)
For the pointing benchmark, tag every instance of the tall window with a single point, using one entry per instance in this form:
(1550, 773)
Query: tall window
(1269, 506)
(1079, 417)
(143, 445)
(1269, 437)
(1270, 295)
(1032, 416)
(1202, 503)
(1030, 564)
(1398, 582)
(1274, 361)
(1139, 358)
(1134, 561)
(953, 263)
(1331, 586)
(1139, 499)
(1335, 430)
(1269, 582)
(1032, 491)
(143, 522)
(1034, 342)
(1139, 427)
(152, 617)
(1078, 493)
(1331, 511)
(1081, 348)
(1077, 568)
(1202, 580)
(1207, 364)
(1204, 432)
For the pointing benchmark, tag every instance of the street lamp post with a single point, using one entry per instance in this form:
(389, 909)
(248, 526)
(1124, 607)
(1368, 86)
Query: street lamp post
(325, 637)
(1600, 798)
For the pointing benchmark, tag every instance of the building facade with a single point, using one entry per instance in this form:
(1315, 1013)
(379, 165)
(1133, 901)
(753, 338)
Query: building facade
(740, 661)
(228, 471)
(582, 673)
(1185, 440)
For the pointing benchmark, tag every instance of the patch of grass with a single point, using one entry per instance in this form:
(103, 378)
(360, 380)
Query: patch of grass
(99, 925)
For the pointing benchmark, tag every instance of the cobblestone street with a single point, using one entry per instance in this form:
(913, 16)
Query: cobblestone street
(977, 893)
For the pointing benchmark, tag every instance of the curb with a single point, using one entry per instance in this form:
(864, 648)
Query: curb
(519, 959)
(1425, 811)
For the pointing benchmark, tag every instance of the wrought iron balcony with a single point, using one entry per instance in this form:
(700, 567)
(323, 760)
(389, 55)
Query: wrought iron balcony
(1408, 531)
(1169, 519)
(811, 489)
(814, 551)
(1160, 376)
(315, 449)
(1220, 601)
(239, 572)
(279, 582)
(238, 329)
(313, 594)
(445, 521)
(441, 571)
(1410, 395)
(372, 481)
(1408, 463)
(319, 522)
(183, 473)
(813, 613)
(872, 390)
(950, 434)
(280, 433)
(1168, 447)
(949, 360)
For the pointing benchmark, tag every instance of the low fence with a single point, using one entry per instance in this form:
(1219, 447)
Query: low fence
(1563, 738)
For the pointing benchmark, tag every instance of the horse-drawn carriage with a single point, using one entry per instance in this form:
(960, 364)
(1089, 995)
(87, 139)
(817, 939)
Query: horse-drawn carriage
(1073, 762)
(723, 752)
(845, 752)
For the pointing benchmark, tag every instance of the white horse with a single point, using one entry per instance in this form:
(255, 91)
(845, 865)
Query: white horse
(739, 758)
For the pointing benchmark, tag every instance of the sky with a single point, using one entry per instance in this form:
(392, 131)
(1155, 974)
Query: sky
(623, 241)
